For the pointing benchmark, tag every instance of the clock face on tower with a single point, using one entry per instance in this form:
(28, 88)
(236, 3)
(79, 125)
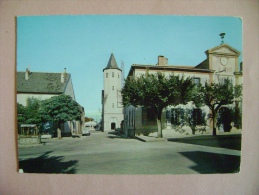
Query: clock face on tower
(223, 61)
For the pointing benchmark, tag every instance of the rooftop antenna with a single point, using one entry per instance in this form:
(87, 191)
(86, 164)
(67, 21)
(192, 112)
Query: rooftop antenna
(222, 37)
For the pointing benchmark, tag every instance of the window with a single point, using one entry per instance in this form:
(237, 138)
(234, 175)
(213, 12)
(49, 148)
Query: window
(112, 105)
(197, 81)
(107, 75)
(112, 87)
(118, 75)
(112, 74)
(148, 116)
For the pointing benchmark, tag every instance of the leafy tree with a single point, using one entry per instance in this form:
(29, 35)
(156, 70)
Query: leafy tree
(194, 118)
(87, 119)
(32, 111)
(21, 113)
(157, 91)
(29, 114)
(216, 95)
(60, 109)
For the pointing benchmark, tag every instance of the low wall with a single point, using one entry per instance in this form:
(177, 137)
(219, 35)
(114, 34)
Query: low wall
(28, 139)
(46, 136)
(146, 130)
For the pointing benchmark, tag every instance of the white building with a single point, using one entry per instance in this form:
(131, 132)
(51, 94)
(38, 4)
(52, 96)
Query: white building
(221, 62)
(44, 85)
(112, 108)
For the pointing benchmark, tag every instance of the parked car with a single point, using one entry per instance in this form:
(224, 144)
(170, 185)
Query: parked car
(86, 132)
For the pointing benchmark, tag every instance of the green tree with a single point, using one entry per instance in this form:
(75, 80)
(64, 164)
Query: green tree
(157, 91)
(29, 114)
(32, 111)
(216, 95)
(87, 119)
(60, 109)
(21, 113)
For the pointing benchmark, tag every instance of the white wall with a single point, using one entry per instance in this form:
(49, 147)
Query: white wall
(112, 102)
(69, 89)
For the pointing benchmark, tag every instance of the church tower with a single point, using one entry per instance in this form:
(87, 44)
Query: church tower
(112, 108)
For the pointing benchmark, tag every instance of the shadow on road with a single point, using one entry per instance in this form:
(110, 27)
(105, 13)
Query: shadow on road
(213, 163)
(220, 141)
(48, 164)
(116, 134)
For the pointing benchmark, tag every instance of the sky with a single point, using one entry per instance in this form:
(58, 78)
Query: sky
(83, 44)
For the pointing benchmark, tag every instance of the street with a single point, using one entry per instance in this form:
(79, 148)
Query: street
(108, 153)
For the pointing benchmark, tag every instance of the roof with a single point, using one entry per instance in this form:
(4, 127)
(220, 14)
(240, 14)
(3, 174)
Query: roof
(167, 67)
(41, 82)
(223, 49)
(112, 64)
(90, 123)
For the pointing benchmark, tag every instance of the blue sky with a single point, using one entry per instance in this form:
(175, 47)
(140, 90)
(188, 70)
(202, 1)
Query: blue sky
(83, 44)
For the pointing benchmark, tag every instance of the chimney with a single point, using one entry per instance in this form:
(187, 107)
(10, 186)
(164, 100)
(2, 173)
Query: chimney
(162, 61)
(241, 67)
(63, 76)
(27, 74)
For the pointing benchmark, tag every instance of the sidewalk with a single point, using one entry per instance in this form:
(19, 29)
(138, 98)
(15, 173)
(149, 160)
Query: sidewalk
(170, 135)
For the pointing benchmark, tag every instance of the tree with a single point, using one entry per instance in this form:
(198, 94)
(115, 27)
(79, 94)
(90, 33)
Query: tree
(157, 91)
(29, 114)
(32, 111)
(194, 118)
(21, 113)
(87, 119)
(216, 95)
(60, 109)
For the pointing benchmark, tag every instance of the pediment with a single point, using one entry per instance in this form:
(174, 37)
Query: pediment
(224, 49)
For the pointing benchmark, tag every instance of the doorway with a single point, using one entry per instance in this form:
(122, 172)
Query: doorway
(113, 126)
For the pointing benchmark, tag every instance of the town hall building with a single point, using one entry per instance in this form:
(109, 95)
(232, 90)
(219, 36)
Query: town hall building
(221, 62)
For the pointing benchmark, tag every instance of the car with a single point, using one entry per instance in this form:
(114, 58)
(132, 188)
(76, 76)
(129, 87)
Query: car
(86, 132)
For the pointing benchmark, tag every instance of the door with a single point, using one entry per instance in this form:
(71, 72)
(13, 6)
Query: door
(113, 126)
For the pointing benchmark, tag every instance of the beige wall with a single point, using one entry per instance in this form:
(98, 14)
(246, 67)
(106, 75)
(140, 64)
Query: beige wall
(22, 98)
(69, 89)
(203, 76)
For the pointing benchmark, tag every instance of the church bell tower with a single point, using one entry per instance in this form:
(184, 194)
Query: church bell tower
(112, 108)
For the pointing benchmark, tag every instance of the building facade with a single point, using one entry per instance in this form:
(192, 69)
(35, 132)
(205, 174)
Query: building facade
(221, 62)
(44, 85)
(112, 108)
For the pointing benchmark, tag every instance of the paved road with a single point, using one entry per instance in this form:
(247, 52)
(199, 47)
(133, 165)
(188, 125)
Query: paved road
(103, 153)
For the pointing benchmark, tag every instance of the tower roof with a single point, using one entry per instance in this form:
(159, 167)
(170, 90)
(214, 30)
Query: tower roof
(112, 64)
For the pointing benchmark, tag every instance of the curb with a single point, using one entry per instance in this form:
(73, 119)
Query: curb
(150, 139)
